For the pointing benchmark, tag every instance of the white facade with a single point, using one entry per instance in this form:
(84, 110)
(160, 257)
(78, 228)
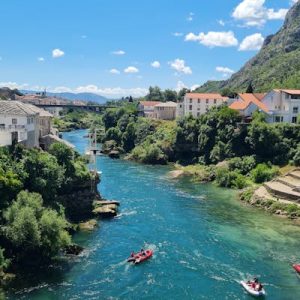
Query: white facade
(283, 105)
(197, 104)
(18, 123)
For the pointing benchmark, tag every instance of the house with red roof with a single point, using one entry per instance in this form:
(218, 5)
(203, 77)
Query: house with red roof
(247, 103)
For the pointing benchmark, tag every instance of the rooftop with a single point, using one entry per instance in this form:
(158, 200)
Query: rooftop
(16, 108)
(167, 104)
(246, 99)
(150, 103)
(204, 96)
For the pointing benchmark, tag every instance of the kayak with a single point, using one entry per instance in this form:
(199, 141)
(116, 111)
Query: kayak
(140, 257)
(297, 268)
(252, 291)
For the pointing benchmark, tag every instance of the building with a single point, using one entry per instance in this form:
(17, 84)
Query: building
(44, 119)
(146, 108)
(18, 124)
(165, 111)
(247, 103)
(283, 105)
(197, 104)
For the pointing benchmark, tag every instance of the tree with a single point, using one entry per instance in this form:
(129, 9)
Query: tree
(170, 95)
(182, 93)
(34, 228)
(155, 94)
(250, 89)
(109, 119)
(64, 155)
(46, 175)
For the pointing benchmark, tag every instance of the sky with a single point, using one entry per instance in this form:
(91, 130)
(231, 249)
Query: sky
(121, 47)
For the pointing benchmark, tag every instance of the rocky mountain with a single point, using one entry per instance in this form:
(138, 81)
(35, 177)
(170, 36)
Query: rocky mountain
(277, 65)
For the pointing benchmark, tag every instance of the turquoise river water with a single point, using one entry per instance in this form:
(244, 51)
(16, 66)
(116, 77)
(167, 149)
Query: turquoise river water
(204, 240)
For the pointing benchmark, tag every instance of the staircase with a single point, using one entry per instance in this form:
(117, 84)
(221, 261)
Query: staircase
(286, 187)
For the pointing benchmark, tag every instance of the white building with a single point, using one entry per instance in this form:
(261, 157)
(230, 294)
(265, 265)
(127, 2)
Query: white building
(165, 111)
(18, 123)
(283, 105)
(197, 104)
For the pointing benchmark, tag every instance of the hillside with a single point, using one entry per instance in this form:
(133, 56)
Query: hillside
(73, 96)
(277, 65)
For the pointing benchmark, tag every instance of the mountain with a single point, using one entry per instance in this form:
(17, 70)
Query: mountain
(277, 65)
(88, 97)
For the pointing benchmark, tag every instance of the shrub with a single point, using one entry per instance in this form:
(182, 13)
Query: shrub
(226, 178)
(263, 173)
(242, 164)
(296, 159)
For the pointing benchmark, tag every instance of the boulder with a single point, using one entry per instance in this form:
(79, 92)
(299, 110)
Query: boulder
(73, 249)
(88, 226)
(106, 211)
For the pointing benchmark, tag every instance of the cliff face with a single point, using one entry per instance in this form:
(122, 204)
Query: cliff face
(277, 65)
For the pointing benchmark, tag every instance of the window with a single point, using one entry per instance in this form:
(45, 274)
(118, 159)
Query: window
(191, 107)
(215, 101)
(14, 121)
(295, 110)
(198, 100)
(191, 100)
(206, 101)
(277, 119)
(198, 114)
(294, 120)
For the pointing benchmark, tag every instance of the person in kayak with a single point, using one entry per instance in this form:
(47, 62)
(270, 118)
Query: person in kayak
(132, 254)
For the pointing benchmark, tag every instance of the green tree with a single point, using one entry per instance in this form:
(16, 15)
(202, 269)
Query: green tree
(155, 94)
(170, 95)
(34, 228)
(46, 175)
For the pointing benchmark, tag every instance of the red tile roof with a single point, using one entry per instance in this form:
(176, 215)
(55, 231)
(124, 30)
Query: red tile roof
(245, 100)
(203, 96)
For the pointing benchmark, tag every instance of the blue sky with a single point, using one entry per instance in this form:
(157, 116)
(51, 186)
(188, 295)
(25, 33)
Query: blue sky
(118, 47)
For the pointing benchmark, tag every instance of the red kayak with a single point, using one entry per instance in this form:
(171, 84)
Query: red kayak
(297, 268)
(140, 256)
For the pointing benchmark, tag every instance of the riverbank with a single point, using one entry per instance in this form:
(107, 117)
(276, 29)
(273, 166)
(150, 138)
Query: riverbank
(204, 243)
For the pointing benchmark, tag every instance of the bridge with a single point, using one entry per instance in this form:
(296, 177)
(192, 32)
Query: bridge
(91, 108)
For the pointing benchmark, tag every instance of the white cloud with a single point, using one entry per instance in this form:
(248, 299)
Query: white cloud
(119, 52)
(252, 42)
(177, 34)
(131, 70)
(41, 59)
(114, 71)
(14, 85)
(190, 17)
(57, 53)
(254, 13)
(221, 22)
(224, 70)
(293, 2)
(155, 64)
(180, 67)
(180, 85)
(214, 38)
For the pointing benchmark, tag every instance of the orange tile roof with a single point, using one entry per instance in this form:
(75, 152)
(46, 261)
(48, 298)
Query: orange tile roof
(150, 103)
(260, 96)
(245, 100)
(209, 96)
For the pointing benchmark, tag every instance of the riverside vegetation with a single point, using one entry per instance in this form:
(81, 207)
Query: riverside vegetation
(213, 147)
(39, 195)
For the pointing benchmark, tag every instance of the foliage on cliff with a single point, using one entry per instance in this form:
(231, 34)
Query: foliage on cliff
(277, 65)
(32, 219)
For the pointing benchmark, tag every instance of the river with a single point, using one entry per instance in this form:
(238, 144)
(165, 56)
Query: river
(204, 240)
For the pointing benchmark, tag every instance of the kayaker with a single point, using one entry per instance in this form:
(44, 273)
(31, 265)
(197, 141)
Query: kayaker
(132, 254)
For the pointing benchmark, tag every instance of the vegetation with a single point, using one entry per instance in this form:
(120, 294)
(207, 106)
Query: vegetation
(249, 151)
(72, 119)
(33, 219)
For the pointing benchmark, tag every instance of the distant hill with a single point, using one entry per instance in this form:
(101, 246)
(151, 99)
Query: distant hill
(72, 96)
(277, 65)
